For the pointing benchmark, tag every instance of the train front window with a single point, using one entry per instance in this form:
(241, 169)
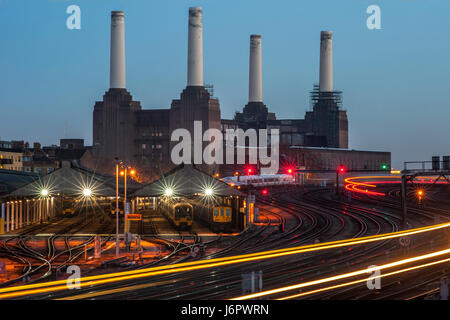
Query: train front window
(228, 212)
(182, 212)
(216, 212)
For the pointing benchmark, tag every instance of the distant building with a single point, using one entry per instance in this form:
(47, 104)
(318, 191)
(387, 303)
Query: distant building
(123, 130)
(77, 144)
(331, 158)
(17, 155)
(10, 159)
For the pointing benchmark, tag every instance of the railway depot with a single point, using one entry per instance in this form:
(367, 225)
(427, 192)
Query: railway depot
(184, 196)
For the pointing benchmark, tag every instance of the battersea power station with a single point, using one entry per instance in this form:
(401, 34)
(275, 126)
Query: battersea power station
(142, 137)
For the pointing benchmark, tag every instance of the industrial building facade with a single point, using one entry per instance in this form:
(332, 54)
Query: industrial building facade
(142, 138)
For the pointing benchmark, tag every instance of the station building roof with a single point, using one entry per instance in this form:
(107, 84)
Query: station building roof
(186, 180)
(10, 180)
(68, 180)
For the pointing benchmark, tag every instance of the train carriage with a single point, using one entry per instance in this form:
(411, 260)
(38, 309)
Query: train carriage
(180, 214)
(68, 209)
(217, 217)
(265, 180)
(112, 207)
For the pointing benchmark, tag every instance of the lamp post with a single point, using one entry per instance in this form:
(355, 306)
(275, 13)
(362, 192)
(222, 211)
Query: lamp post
(117, 208)
(125, 206)
(124, 173)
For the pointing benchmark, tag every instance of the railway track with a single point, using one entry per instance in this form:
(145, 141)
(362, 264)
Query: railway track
(309, 215)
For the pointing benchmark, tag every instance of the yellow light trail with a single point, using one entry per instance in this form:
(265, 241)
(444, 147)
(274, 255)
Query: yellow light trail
(342, 276)
(117, 290)
(11, 292)
(365, 279)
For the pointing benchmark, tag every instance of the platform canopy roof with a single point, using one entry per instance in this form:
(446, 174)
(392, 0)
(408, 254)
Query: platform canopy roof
(68, 180)
(10, 180)
(186, 180)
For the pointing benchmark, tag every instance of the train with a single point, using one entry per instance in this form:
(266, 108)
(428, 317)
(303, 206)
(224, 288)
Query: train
(218, 216)
(265, 180)
(112, 207)
(68, 208)
(72, 206)
(181, 213)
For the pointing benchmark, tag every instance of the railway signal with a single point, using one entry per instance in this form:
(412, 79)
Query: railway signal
(420, 195)
(265, 192)
(340, 170)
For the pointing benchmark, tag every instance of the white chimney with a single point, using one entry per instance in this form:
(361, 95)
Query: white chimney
(195, 47)
(255, 76)
(326, 62)
(117, 66)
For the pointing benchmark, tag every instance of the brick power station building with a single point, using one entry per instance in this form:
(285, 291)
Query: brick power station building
(122, 129)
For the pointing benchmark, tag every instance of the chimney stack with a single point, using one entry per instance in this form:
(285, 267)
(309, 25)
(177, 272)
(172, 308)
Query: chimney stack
(255, 76)
(195, 47)
(326, 62)
(117, 66)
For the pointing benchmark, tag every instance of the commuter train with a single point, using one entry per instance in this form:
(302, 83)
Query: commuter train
(180, 214)
(265, 180)
(218, 217)
(68, 208)
(71, 207)
(112, 207)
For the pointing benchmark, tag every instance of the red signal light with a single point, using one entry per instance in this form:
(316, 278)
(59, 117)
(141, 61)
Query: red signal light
(341, 169)
(249, 171)
(289, 170)
(264, 192)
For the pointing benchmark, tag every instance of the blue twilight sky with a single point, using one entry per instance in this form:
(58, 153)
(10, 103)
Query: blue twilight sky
(395, 80)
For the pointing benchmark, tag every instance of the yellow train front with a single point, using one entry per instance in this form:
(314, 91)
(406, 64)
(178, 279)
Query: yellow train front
(68, 208)
(218, 218)
(183, 215)
(179, 214)
(112, 207)
(221, 219)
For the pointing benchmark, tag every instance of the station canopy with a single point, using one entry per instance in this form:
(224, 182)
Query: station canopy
(10, 180)
(186, 180)
(68, 180)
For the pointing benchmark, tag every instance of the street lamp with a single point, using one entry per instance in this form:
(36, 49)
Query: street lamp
(208, 191)
(124, 174)
(117, 207)
(168, 192)
(87, 192)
